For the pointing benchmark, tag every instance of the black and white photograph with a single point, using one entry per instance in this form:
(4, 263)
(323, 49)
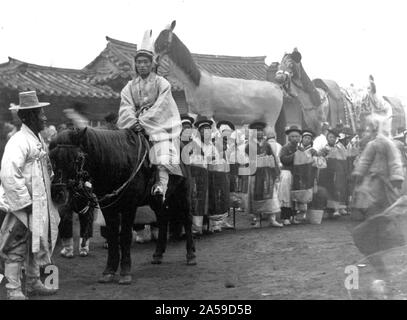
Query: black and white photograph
(208, 152)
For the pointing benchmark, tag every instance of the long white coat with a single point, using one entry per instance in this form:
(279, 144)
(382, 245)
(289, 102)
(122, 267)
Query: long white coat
(26, 180)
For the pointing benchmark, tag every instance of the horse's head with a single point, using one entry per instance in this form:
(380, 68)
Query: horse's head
(71, 184)
(289, 67)
(163, 42)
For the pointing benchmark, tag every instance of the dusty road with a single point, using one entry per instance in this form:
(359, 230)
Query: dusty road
(296, 262)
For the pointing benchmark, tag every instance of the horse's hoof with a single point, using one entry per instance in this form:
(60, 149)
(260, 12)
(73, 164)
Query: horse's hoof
(106, 278)
(157, 260)
(125, 280)
(191, 261)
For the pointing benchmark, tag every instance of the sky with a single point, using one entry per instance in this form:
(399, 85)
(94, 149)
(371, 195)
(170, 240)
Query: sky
(342, 40)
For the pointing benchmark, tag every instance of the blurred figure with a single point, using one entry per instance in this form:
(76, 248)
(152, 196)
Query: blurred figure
(401, 144)
(379, 172)
(62, 127)
(378, 176)
(321, 141)
(49, 133)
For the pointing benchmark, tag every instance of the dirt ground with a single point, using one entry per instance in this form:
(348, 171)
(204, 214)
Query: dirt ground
(295, 262)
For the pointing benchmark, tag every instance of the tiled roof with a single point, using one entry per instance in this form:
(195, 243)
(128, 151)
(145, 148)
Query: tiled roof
(22, 76)
(122, 54)
(249, 68)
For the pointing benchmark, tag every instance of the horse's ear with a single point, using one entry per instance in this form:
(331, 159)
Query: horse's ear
(296, 55)
(173, 23)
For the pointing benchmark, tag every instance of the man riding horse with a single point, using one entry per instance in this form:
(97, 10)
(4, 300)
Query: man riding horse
(147, 105)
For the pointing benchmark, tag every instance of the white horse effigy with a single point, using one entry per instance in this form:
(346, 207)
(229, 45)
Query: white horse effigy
(237, 100)
(368, 102)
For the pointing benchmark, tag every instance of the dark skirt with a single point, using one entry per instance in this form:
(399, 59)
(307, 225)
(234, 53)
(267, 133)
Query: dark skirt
(333, 180)
(263, 184)
(219, 192)
(239, 188)
(199, 190)
(262, 191)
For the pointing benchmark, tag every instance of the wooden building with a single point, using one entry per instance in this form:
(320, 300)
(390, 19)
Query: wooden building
(63, 88)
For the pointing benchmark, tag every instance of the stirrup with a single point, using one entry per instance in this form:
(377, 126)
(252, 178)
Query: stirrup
(157, 189)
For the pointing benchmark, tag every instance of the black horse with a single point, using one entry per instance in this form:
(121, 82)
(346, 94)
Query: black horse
(115, 165)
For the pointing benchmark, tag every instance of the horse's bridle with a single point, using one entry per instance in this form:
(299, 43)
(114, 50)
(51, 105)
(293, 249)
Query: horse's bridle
(80, 186)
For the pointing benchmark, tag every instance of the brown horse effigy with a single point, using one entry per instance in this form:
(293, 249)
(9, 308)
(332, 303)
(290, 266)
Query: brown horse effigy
(319, 100)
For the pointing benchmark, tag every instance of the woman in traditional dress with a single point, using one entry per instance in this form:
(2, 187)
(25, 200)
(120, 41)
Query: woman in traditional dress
(333, 180)
(227, 144)
(218, 182)
(261, 183)
(304, 173)
(193, 154)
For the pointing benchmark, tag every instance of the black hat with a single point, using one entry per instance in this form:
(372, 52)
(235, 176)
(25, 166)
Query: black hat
(292, 129)
(258, 125)
(308, 132)
(334, 131)
(201, 121)
(187, 118)
(226, 122)
(347, 131)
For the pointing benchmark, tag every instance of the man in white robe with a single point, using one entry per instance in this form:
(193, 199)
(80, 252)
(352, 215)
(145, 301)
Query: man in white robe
(147, 105)
(29, 231)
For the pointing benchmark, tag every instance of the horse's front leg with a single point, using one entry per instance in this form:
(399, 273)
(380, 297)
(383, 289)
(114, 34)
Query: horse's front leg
(113, 256)
(161, 244)
(126, 235)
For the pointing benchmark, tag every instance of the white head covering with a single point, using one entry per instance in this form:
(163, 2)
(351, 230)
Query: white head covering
(147, 44)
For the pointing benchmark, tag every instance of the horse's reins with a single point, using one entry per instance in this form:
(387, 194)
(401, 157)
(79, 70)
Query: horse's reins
(93, 199)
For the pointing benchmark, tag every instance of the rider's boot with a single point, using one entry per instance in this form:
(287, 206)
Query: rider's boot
(160, 187)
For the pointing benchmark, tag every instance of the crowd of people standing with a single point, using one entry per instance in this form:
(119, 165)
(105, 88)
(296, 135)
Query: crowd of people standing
(328, 172)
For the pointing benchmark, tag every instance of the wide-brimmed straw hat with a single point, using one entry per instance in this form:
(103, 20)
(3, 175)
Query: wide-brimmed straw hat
(28, 100)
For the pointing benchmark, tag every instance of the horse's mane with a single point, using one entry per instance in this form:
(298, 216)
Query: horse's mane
(111, 154)
(305, 82)
(112, 150)
(309, 87)
(182, 57)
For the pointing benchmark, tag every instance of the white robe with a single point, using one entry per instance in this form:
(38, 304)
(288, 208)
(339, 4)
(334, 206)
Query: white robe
(26, 180)
(149, 101)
